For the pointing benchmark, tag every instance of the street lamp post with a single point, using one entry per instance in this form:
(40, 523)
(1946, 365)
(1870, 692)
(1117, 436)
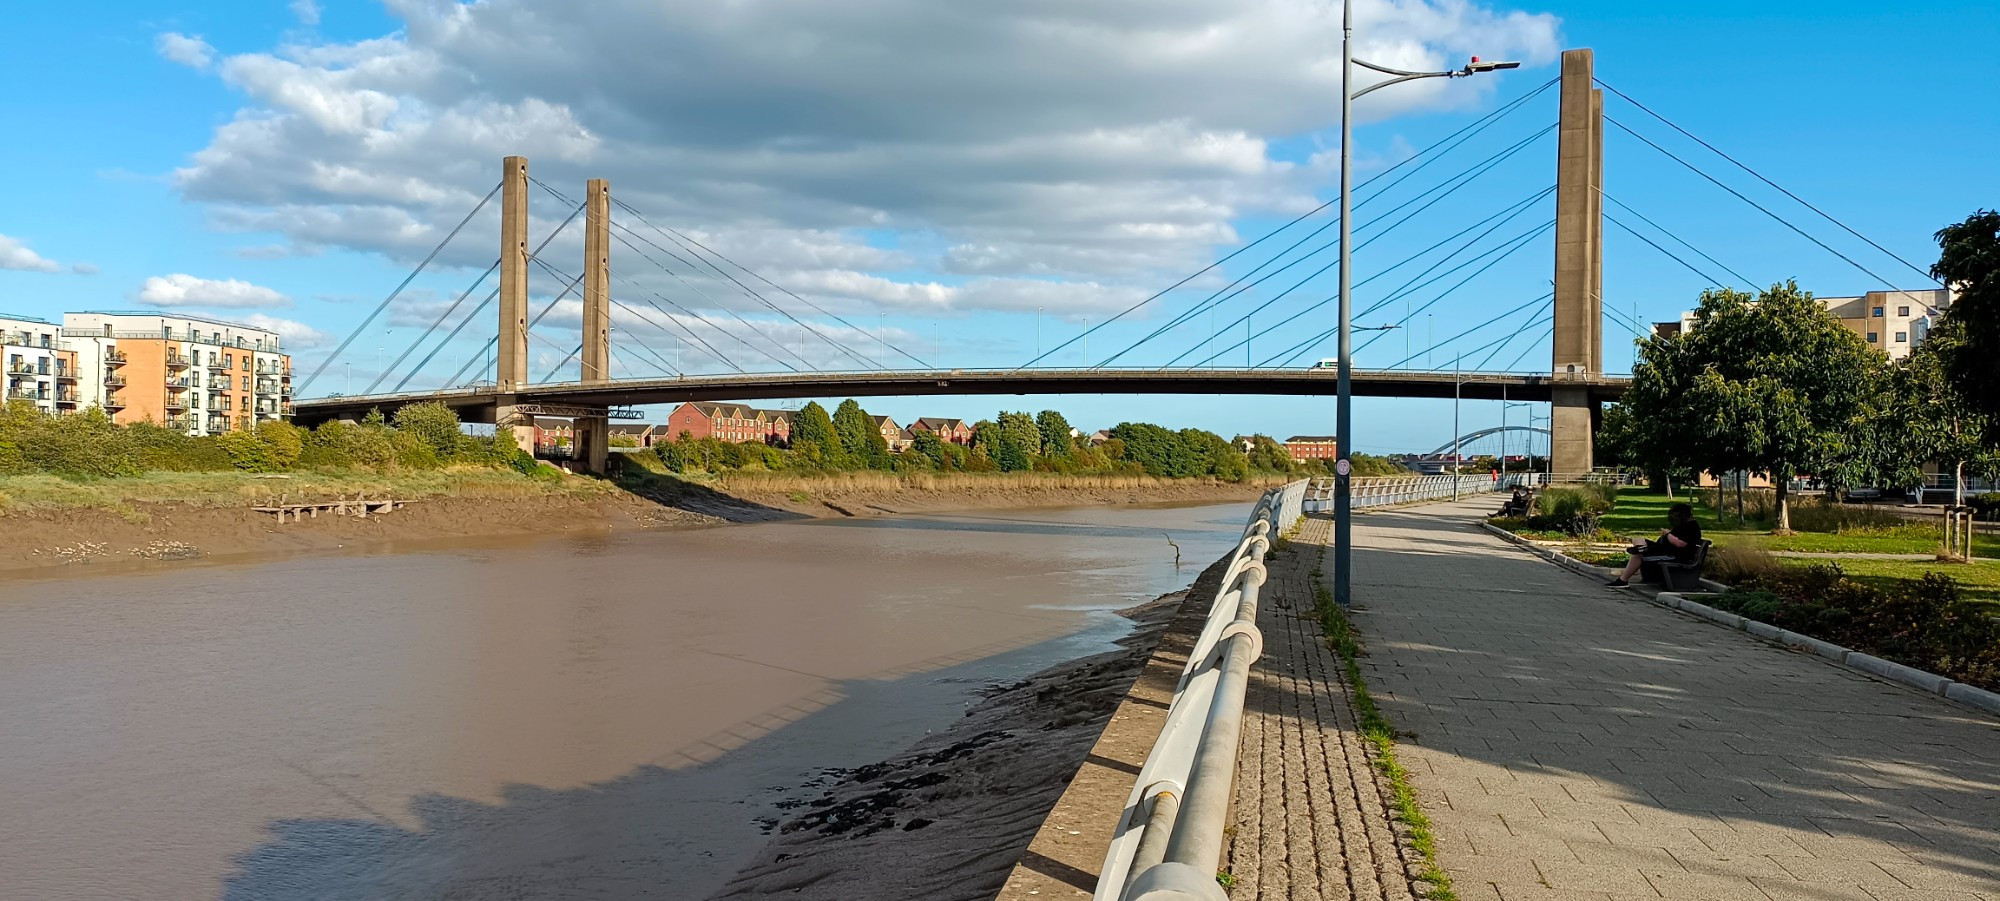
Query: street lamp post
(1343, 519)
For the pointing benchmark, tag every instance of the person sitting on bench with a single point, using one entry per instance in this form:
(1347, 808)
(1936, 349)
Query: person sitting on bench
(1678, 543)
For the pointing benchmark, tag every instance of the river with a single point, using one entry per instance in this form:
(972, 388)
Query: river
(617, 716)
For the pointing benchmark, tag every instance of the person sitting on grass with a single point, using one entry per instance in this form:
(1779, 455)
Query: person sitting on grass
(1678, 543)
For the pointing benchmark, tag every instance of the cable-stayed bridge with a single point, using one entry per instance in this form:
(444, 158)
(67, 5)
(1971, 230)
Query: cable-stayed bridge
(670, 286)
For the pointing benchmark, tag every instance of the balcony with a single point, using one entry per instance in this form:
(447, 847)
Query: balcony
(114, 358)
(217, 366)
(68, 398)
(24, 392)
(266, 387)
(65, 375)
(285, 390)
(182, 423)
(176, 361)
(176, 402)
(114, 381)
(19, 369)
(182, 382)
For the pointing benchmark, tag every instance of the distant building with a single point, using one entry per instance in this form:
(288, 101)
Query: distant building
(734, 423)
(641, 433)
(955, 431)
(1312, 447)
(190, 373)
(1893, 322)
(1099, 437)
(892, 434)
(38, 368)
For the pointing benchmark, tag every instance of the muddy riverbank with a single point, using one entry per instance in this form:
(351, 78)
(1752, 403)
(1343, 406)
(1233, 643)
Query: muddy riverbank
(142, 533)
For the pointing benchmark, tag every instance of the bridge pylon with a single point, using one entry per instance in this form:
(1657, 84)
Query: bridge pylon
(510, 354)
(1578, 346)
(593, 435)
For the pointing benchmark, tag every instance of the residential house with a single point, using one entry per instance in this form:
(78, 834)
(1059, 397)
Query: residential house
(1312, 447)
(956, 431)
(734, 423)
(894, 435)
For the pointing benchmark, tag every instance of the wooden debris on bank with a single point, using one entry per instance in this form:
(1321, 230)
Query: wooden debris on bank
(360, 506)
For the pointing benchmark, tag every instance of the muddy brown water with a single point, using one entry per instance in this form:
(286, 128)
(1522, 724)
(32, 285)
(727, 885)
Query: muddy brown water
(622, 716)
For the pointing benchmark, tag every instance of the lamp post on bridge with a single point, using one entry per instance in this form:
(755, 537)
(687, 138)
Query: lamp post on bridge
(1343, 519)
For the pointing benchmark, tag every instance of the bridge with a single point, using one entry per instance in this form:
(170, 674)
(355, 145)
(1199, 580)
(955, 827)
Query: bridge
(767, 357)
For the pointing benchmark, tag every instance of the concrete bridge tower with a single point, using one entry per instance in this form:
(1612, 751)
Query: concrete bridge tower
(593, 434)
(510, 355)
(1579, 266)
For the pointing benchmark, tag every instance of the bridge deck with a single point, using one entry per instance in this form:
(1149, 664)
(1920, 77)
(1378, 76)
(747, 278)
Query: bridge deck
(476, 403)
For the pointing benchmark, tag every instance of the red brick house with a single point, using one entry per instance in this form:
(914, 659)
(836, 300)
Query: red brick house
(898, 439)
(734, 423)
(956, 431)
(1312, 447)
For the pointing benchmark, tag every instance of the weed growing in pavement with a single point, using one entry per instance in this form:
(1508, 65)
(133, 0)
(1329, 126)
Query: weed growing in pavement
(1382, 737)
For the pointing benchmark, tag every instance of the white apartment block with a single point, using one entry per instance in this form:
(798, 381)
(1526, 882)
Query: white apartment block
(38, 367)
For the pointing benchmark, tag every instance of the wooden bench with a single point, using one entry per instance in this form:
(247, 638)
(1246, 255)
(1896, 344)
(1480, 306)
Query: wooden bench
(1678, 576)
(1519, 506)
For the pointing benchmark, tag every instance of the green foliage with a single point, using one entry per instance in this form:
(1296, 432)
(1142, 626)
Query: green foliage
(1769, 384)
(432, 424)
(861, 443)
(1056, 440)
(814, 442)
(1571, 511)
(1266, 454)
(1969, 261)
(1925, 623)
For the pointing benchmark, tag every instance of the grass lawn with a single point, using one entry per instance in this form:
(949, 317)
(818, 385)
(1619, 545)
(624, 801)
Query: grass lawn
(242, 489)
(1640, 513)
(1980, 581)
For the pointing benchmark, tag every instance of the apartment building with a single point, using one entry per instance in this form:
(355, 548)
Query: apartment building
(1890, 321)
(191, 373)
(39, 368)
(1893, 322)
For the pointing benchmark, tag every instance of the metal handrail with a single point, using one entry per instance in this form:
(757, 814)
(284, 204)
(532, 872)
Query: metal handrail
(1169, 838)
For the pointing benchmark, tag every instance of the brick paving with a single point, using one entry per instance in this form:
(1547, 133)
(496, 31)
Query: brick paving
(1310, 823)
(1571, 742)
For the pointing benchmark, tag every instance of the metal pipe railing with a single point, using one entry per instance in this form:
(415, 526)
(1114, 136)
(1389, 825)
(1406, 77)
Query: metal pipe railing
(1169, 838)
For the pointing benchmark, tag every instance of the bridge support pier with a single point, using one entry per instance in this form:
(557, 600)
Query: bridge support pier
(510, 355)
(1572, 426)
(593, 434)
(1578, 342)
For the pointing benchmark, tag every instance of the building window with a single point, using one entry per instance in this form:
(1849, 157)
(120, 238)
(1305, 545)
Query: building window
(1902, 337)
(1877, 313)
(1874, 337)
(1903, 312)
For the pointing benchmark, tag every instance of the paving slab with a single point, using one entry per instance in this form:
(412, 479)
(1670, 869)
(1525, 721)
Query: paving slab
(1728, 767)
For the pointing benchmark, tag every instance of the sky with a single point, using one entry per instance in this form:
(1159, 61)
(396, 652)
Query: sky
(968, 185)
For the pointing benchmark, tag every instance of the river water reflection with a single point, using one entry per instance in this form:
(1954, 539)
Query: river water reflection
(605, 717)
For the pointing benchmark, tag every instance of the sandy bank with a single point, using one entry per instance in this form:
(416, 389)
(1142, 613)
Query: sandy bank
(948, 819)
(137, 531)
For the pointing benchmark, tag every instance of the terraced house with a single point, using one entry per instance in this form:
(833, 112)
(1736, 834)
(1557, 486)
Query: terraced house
(734, 423)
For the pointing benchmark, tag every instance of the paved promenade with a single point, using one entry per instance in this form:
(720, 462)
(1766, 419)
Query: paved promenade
(1571, 742)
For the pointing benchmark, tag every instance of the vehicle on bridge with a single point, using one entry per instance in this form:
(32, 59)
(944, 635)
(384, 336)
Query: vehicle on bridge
(1327, 363)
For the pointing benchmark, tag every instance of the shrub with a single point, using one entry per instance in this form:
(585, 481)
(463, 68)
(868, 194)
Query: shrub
(1571, 511)
(435, 426)
(1925, 624)
(1736, 564)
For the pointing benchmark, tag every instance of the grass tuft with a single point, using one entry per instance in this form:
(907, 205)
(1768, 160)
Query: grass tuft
(1375, 730)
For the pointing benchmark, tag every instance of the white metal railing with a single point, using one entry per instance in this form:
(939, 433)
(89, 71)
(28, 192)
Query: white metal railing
(1389, 491)
(1169, 838)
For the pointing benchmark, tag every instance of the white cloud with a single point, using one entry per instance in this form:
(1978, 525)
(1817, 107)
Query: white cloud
(295, 335)
(192, 52)
(16, 255)
(183, 290)
(84, 268)
(872, 154)
(307, 11)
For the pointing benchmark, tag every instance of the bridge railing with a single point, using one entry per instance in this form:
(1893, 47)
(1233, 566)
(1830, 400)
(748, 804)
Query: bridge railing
(1390, 491)
(1169, 838)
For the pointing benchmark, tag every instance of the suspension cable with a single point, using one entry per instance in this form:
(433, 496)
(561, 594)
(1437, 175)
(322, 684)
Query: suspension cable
(1712, 280)
(1663, 230)
(307, 382)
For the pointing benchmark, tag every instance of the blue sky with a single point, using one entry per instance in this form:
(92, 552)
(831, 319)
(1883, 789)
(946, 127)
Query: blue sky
(939, 197)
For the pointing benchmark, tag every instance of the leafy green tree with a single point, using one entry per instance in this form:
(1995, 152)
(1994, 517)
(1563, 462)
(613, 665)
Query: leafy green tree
(1929, 419)
(1056, 440)
(1158, 451)
(1969, 262)
(813, 439)
(1022, 429)
(861, 444)
(1267, 455)
(986, 437)
(1768, 385)
(434, 425)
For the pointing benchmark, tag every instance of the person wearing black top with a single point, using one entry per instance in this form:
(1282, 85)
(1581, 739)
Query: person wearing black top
(1678, 543)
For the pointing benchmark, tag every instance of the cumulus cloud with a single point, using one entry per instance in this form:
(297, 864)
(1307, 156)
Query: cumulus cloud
(873, 154)
(183, 290)
(16, 255)
(295, 335)
(190, 51)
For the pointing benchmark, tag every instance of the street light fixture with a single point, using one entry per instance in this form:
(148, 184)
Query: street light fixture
(1343, 519)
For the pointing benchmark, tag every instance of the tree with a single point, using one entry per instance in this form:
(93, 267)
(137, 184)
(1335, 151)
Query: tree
(1160, 452)
(1022, 428)
(1056, 440)
(813, 439)
(861, 443)
(1766, 385)
(1928, 419)
(1267, 455)
(1969, 263)
(433, 424)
